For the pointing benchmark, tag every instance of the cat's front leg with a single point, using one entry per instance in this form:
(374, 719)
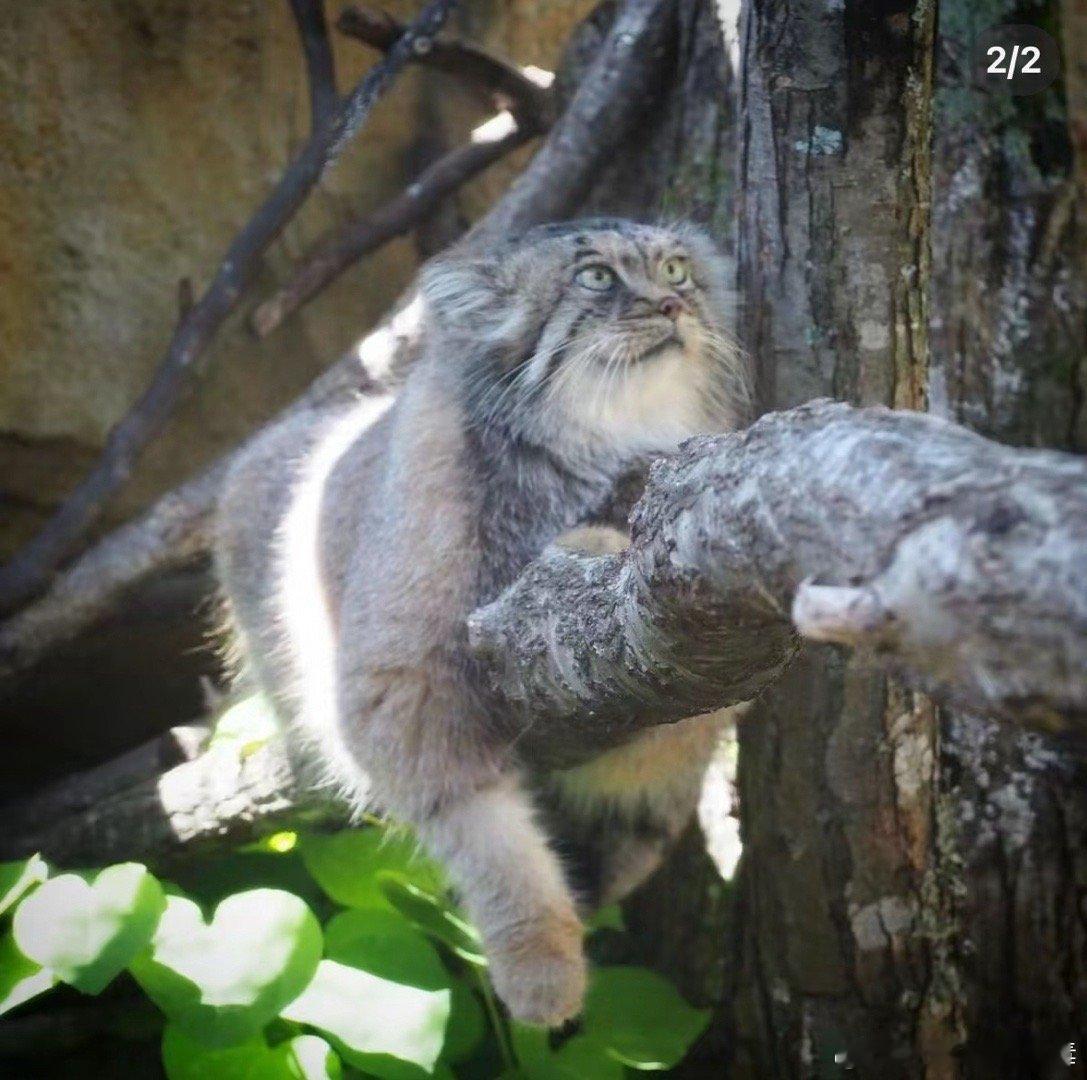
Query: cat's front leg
(513, 887)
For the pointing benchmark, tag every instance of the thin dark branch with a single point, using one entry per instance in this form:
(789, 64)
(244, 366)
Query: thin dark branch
(621, 85)
(172, 532)
(177, 526)
(340, 250)
(29, 571)
(611, 95)
(506, 85)
(309, 17)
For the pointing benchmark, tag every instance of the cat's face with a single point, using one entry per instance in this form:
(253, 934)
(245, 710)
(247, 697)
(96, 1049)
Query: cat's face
(604, 332)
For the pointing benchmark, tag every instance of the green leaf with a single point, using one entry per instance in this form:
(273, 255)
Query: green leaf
(640, 1017)
(433, 916)
(307, 1057)
(87, 932)
(579, 1058)
(467, 1024)
(347, 864)
(18, 878)
(246, 726)
(222, 982)
(384, 943)
(607, 918)
(20, 978)
(212, 878)
(315, 1059)
(384, 1028)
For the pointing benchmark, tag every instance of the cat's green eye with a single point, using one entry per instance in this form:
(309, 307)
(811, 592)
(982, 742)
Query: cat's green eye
(598, 278)
(675, 271)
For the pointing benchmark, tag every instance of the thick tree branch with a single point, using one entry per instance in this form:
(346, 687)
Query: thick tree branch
(81, 595)
(220, 799)
(29, 571)
(955, 561)
(309, 17)
(76, 795)
(619, 87)
(505, 84)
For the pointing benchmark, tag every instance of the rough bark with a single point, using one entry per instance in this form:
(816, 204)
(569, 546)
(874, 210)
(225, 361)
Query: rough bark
(1009, 341)
(955, 560)
(224, 797)
(908, 898)
(836, 764)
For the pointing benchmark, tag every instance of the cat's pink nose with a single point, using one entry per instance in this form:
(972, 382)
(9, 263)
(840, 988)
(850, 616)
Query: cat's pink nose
(672, 307)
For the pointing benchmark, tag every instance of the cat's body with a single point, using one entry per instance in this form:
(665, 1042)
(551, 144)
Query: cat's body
(354, 541)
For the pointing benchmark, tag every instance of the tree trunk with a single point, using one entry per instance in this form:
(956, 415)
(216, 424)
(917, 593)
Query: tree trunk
(1009, 357)
(837, 767)
(910, 899)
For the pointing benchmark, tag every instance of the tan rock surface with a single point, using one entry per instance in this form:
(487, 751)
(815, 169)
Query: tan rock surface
(136, 137)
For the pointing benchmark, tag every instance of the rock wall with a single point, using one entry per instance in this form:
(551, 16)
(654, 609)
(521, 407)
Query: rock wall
(136, 136)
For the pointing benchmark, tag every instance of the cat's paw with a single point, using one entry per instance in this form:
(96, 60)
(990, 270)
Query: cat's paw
(541, 974)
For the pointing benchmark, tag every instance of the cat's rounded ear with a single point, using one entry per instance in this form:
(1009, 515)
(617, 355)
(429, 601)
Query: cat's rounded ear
(461, 293)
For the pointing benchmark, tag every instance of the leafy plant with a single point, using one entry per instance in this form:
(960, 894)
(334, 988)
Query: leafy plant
(252, 986)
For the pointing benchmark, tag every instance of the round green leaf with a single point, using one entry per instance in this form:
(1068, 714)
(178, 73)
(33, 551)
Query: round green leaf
(578, 1058)
(306, 1057)
(314, 1058)
(20, 978)
(382, 1027)
(212, 878)
(346, 864)
(222, 982)
(639, 1017)
(18, 878)
(384, 943)
(87, 932)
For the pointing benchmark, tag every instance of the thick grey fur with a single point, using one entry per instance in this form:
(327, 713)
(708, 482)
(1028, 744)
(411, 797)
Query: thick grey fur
(353, 542)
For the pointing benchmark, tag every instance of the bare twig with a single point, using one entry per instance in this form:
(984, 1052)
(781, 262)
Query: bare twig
(342, 249)
(526, 111)
(29, 571)
(309, 17)
(173, 531)
(599, 115)
(507, 86)
(95, 583)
